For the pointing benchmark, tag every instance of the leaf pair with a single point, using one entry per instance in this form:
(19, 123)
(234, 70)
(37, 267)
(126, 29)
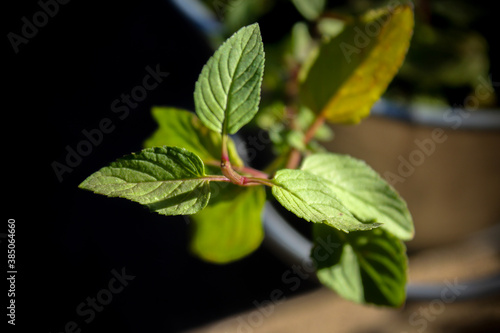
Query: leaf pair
(340, 82)
(349, 200)
(366, 266)
(344, 193)
(173, 181)
(230, 226)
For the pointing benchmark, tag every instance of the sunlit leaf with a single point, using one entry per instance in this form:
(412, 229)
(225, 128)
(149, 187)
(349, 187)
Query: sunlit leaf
(227, 93)
(361, 190)
(168, 180)
(306, 195)
(181, 128)
(351, 71)
(230, 227)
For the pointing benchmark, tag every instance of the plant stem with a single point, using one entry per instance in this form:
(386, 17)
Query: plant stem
(295, 155)
(225, 165)
(224, 154)
(311, 131)
(228, 171)
(243, 169)
(216, 178)
(251, 181)
(252, 171)
(294, 158)
(235, 178)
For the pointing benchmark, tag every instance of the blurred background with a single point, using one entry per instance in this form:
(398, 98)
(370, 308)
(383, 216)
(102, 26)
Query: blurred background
(63, 77)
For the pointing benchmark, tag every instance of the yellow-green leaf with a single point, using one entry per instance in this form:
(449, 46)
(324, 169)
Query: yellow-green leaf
(230, 227)
(352, 71)
(181, 128)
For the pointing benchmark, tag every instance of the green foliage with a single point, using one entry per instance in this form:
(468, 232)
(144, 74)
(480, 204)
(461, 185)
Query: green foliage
(366, 267)
(227, 93)
(305, 195)
(168, 180)
(310, 9)
(190, 165)
(181, 128)
(350, 72)
(362, 191)
(230, 227)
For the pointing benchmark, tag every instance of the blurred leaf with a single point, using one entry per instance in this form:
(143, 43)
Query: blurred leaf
(352, 71)
(168, 180)
(362, 266)
(359, 188)
(230, 227)
(301, 42)
(270, 115)
(306, 195)
(284, 135)
(295, 139)
(227, 93)
(310, 9)
(305, 118)
(181, 128)
(330, 27)
(444, 58)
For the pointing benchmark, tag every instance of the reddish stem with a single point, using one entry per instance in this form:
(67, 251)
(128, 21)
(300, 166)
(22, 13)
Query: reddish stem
(294, 158)
(311, 131)
(252, 171)
(295, 155)
(228, 171)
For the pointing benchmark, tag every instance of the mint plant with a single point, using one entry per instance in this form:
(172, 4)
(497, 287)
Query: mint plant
(190, 165)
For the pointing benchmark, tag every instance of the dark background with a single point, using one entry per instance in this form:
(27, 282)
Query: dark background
(68, 241)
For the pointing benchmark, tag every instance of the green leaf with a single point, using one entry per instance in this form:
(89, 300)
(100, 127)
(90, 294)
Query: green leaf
(230, 227)
(362, 191)
(330, 27)
(352, 71)
(310, 9)
(364, 266)
(181, 128)
(168, 180)
(301, 43)
(306, 195)
(227, 93)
